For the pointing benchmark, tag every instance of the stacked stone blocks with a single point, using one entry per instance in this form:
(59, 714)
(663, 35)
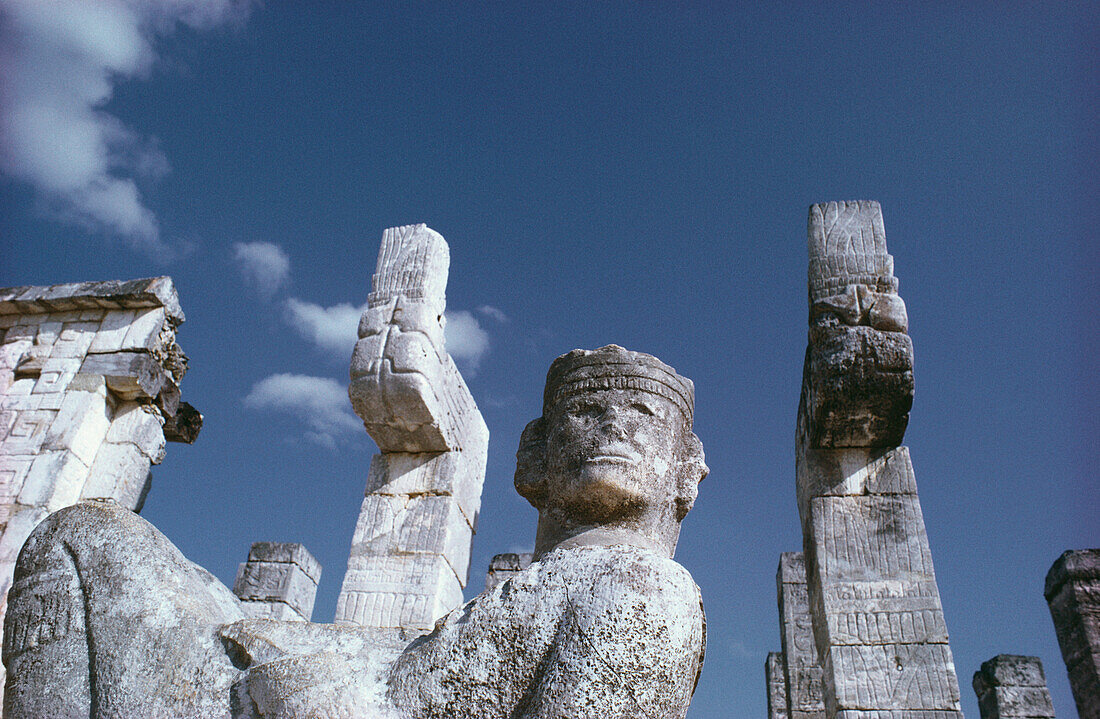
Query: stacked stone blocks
(279, 581)
(410, 552)
(800, 665)
(877, 619)
(1010, 687)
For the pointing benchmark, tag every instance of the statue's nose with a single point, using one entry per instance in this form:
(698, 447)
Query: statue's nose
(611, 422)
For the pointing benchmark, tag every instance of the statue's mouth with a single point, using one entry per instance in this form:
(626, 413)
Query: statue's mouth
(616, 454)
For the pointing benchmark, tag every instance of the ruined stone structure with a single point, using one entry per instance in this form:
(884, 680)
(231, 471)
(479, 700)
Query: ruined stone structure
(411, 550)
(279, 581)
(107, 618)
(89, 394)
(1073, 593)
(505, 566)
(801, 669)
(1010, 686)
(877, 619)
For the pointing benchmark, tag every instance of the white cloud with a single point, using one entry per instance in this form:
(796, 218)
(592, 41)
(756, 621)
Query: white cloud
(59, 62)
(493, 313)
(320, 402)
(333, 329)
(264, 265)
(466, 341)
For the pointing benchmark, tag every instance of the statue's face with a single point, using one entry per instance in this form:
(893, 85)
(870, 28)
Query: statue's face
(612, 452)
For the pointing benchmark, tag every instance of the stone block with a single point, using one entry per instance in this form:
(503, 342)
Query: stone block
(854, 472)
(802, 668)
(1013, 686)
(903, 714)
(442, 473)
(857, 387)
(278, 611)
(19, 526)
(54, 480)
(276, 582)
(398, 592)
(405, 525)
(56, 374)
(74, 340)
(28, 431)
(870, 538)
(13, 472)
(891, 677)
(119, 472)
(144, 331)
(184, 426)
(112, 331)
(48, 332)
(139, 425)
(130, 375)
(777, 688)
(286, 553)
(81, 424)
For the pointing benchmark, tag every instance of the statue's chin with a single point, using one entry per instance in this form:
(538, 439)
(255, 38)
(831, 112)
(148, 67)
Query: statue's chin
(606, 489)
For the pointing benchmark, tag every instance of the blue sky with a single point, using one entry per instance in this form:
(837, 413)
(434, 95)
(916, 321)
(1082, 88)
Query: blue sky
(632, 173)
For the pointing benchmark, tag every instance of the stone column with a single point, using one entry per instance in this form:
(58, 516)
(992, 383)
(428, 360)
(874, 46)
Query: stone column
(1013, 686)
(1073, 594)
(801, 668)
(503, 566)
(411, 549)
(877, 618)
(777, 686)
(279, 581)
(89, 394)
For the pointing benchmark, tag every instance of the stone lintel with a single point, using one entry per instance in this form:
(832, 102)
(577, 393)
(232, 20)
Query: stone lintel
(112, 295)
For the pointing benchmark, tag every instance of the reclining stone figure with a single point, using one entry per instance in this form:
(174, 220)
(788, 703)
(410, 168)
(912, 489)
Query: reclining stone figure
(108, 619)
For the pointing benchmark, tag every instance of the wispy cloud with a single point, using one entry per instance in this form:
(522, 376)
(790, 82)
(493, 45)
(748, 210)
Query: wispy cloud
(493, 313)
(59, 63)
(320, 402)
(466, 341)
(264, 265)
(333, 329)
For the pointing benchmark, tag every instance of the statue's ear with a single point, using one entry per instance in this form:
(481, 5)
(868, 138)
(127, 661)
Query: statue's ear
(531, 462)
(693, 469)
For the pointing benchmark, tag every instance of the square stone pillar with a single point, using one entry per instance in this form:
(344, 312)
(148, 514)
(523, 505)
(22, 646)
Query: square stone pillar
(279, 581)
(801, 667)
(777, 686)
(1011, 686)
(1073, 593)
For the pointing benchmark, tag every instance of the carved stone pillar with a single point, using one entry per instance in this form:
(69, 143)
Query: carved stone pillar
(1010, 687)
(877, 618)
(1073, 594)
(411, 548)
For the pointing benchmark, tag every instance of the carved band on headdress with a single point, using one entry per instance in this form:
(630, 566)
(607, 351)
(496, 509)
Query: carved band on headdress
(614, 368)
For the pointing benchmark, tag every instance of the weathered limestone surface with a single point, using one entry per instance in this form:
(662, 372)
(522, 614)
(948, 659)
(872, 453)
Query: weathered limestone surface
(89, 394)
(1073, 593)
(279, 581)
(411, 549)
(108, 619)
(774, 675)
(505, 566)
(801, 667)
(877, 619)
(1013, 686)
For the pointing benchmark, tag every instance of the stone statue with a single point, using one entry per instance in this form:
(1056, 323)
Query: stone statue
(107, 619)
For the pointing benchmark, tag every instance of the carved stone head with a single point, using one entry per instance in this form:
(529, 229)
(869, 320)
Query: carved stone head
(614, 445)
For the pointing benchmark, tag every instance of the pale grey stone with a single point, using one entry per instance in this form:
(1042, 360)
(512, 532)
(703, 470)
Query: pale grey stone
(144, 332)
(119, 472)
(80, 425)
(1009, 685)
(130, 375)
(622, 621)
(777, 686)
(801, 667)
(278, 573)
(876, 613)
(1073, 593)
(54, 480)
(112, 331)
(424, 490)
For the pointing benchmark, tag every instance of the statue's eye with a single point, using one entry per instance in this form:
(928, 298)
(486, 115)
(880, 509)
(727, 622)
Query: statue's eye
(643, 408)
